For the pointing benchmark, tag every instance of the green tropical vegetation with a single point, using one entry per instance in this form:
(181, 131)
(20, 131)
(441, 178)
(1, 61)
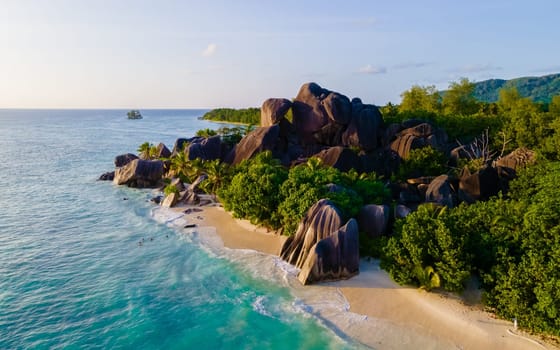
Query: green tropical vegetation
(147, 151)
(509, 244)
(513, 121)
(230, 115)
(425, 161)
(268, 194)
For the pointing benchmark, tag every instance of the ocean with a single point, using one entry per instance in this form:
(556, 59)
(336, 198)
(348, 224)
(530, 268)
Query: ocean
(72, 274)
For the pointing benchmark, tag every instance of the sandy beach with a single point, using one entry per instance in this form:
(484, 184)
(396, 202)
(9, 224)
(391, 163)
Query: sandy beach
(373, 294)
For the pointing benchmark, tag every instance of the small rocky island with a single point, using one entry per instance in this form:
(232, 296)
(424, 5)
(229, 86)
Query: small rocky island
(134, 114)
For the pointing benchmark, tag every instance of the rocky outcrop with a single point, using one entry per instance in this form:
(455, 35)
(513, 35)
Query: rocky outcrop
(170, 200)
(364, 126)
(403, 144)
(402, 211)
(320, 221)
(108, 176)
(416, 136)
(518, 159)
(309, 114)
(260, 139)
(440, 192)
(180, 145)
(273, 110)
(328, 118)
(205, 148)
(124, 159)
(190, 198)
(321, 247)
(334, 257)
(194, 187)
(139, 173)
(478, 186)
(338, 108)
(373, 219)
(163, 151)
(340, 158)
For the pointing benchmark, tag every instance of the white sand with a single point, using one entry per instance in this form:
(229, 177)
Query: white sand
(394, 317)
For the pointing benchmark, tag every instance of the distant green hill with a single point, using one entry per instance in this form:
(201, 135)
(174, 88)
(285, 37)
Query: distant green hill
(539, 89)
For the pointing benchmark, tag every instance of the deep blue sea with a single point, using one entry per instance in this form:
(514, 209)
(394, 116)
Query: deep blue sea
(73, 276)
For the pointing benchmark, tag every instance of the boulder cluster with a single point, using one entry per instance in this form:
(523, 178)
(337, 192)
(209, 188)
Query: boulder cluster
(345, 134)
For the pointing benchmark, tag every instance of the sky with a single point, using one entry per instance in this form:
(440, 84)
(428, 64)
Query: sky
(208, 54)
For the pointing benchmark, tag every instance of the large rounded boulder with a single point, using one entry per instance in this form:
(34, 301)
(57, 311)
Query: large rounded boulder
(139, 173)
(417, 136)
(341, 158)
(163, 151)
(440, 191)
(320, 221)
(309, 114)
(124, 159)
(373, 219)
(209, 148)
(273, 110)
(261, 139)
(518, 159)
(481, 185)
(338, 108)
(334, 257)
(364, 126)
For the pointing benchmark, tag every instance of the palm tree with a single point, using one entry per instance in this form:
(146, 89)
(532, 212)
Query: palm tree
(144, 150)
(427, 277)
(216, 172)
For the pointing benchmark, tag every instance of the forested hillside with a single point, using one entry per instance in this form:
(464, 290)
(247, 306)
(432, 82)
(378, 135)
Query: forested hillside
(538, 89)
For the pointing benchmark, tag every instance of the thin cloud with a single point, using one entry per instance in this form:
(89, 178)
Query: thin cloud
(407, 65)
(476, 68)
(369, 69)
(210, 50)
(551, 69)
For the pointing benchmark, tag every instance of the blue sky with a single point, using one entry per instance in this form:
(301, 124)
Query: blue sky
(173, 54)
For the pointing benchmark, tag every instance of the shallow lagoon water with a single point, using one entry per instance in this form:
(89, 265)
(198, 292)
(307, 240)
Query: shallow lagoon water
(72, 274)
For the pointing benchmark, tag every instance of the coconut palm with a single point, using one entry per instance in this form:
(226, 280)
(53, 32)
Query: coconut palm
(427, 277)
(216, 172)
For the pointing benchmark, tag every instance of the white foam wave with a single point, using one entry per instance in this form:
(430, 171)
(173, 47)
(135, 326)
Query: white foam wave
(259, 306)
(325, 303)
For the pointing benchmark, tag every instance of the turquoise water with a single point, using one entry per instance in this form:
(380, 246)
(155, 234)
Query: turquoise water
(73, 276)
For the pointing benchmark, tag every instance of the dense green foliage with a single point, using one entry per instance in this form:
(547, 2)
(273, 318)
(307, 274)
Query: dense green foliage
(230, 135)
(426, 161)
(537, 89)
(268, 194)
(230, 115)
(169, 189)
(419, 98)
(254, 191)
(459, 99)
(147, 151)
(512, 122)
(511, 245)
(309, 182)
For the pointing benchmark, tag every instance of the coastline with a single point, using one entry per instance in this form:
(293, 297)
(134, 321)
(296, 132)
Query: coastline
(373, 297)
